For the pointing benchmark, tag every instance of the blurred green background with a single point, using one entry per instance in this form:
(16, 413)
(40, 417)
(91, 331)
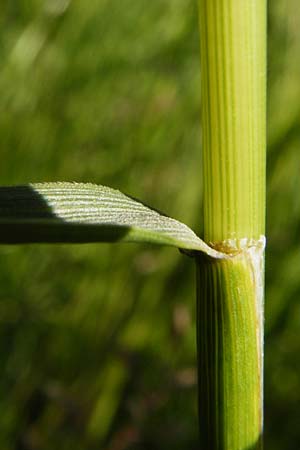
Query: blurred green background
(98, 341)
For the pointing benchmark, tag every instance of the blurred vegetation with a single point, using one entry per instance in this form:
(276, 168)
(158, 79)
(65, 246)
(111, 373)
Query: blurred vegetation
(97, 341)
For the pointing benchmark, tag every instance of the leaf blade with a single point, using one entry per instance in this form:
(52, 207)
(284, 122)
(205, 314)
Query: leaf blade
(77, 212)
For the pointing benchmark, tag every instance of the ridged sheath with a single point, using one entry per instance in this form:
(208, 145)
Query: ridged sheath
(233, 74)
(229, 315)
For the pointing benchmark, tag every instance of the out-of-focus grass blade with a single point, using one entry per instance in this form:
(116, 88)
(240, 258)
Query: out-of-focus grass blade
(75, 212)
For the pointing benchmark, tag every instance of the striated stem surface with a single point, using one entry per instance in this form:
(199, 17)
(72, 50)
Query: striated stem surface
(229, 314)
(230, 289)
(233, 77)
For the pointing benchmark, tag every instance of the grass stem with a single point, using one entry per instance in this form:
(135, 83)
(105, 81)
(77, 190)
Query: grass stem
(230, 290)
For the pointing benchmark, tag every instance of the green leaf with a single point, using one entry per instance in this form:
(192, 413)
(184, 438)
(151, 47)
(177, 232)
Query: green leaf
(74, 212)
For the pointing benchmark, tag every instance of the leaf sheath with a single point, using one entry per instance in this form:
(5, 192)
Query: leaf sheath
(229, 314)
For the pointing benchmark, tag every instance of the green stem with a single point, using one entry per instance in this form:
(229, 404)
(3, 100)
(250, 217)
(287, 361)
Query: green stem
(233, 72)
(230, 290)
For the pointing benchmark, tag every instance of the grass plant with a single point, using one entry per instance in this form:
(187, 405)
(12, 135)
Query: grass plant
(230, 258)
